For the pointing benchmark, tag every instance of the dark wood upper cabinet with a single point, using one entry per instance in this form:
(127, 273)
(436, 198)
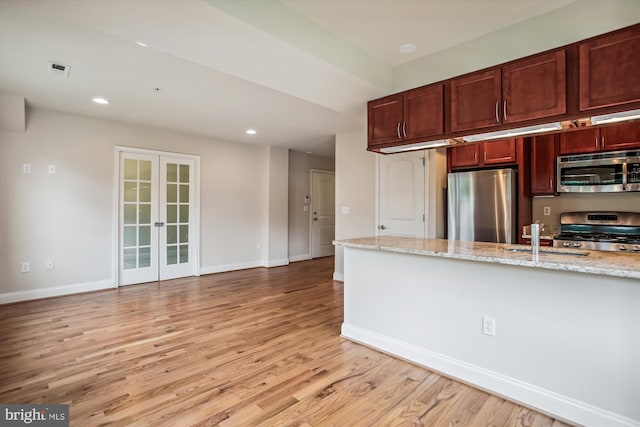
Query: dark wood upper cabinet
(580, 141)
(465, 156)
(543, 164)
(610, 70)
(482, 154)
(423, 112)
(384, 119)
(593, 77)
(500, 152)
(522, 90)
(534, 88)
(409, 116)
(620, 137)
(475, 101)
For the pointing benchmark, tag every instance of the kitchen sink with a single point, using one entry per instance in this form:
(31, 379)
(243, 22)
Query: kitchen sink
(550, 252)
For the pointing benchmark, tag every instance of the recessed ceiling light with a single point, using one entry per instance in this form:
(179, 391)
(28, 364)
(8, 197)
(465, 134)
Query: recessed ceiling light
(142, 44)
(100, 100)
(407, 48)
(250, 131)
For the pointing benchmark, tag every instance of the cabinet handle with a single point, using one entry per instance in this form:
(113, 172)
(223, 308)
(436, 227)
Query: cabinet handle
(596, 142)
(497, 117)
(404, 128)
(475, 158)
(504, 111)
(485, 157)
(551, 184)
(624, 176)
(602, 141)
(398, 131)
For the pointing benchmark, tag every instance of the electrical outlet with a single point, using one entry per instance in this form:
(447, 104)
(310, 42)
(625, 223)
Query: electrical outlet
(547, 210)
(51, 169)
(50, 264)
(25, 267)
(26, 168)
(489, 326)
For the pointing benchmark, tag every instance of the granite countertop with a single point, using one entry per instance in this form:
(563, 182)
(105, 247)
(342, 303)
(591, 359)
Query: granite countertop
(593, 262)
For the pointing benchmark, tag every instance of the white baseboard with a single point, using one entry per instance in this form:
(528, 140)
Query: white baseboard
(338, 277)
(276, 262)
(77, 288)
(538, 398)
(296, 258)
(231, 267)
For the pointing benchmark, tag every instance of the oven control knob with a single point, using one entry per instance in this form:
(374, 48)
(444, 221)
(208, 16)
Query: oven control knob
(566, 244)
(577, 245)
(622, 248)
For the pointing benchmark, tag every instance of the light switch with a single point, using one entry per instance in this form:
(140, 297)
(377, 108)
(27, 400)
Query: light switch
(306, 199)
(306, 208)
(26, 168)
(345, 210)
(51, 169)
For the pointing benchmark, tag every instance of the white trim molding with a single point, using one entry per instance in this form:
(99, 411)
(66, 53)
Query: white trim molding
(339, 277)
(303, 257)
(57, 291)
(542, 400)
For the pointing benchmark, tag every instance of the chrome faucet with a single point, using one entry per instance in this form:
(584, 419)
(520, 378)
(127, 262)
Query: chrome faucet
(535, 238)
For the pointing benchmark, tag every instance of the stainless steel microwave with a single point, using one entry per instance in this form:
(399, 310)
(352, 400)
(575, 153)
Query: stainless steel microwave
(599, 173)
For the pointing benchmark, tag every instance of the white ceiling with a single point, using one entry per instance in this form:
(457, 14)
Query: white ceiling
(297, 71)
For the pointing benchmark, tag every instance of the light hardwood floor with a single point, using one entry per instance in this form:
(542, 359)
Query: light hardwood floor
(247, 348)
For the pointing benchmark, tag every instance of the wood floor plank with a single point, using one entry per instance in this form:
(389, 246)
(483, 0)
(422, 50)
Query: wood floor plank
(256, 347)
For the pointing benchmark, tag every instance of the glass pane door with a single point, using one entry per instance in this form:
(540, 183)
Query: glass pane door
(176, 199)
(138, 207)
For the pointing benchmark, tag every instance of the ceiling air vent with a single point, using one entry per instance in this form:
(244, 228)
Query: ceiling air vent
(60, 69)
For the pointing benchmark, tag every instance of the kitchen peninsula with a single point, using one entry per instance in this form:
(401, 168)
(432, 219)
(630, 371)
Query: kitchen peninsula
(559, 332)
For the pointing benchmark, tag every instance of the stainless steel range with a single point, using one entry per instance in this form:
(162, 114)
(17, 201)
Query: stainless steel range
(603, 231)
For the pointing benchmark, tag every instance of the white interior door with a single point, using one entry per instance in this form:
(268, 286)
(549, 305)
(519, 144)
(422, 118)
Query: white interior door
(157, 218)
(323, 216)
(401, 198)
(138, 234)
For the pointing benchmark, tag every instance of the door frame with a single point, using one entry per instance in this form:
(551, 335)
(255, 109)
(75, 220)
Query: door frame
(118, 150)
(311, 172)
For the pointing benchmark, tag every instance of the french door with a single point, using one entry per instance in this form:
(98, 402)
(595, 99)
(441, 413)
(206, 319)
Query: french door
(157, 217)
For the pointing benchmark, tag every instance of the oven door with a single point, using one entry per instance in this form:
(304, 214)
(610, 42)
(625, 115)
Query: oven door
(591, 176)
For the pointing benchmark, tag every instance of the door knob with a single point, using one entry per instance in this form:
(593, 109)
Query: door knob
(315, 219)
(382, 227)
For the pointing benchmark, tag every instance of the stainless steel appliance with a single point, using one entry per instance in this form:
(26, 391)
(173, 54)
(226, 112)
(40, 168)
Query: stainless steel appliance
(482, 206)
(603, 231)
(599, 173)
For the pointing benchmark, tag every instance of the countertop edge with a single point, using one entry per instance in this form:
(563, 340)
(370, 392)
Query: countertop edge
(545, 264)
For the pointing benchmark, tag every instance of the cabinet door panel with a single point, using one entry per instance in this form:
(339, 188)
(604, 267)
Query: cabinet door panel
(621, 136)
(610, 70)
(384, 116)
(465, 155)
(423, 112)
(534, 88)
(499, 152)
(543, 162)
(580, 141)
(475, 101)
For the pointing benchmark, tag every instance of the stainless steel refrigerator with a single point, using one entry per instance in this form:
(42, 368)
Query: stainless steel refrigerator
(482, 206)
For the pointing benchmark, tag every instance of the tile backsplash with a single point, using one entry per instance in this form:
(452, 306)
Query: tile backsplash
(568, 202)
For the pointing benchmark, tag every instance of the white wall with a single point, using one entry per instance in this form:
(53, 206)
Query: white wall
(68, 217)
(355, 189)
(300, 165)
(277, 195)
